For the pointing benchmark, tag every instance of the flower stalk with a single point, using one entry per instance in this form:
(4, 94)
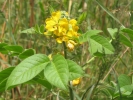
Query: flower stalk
(70, 88)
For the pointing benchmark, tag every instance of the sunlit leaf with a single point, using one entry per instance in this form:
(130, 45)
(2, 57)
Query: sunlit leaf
(75, 71)
(57, 72)
(112, 32)
(27, 69)
(29, 31)
(100, 44)
(84, 37)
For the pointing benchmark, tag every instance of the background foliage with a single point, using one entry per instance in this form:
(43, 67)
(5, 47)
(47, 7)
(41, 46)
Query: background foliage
(108, 16)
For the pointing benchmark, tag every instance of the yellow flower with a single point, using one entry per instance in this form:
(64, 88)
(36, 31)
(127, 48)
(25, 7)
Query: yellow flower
(76, 81)
(71, 44)
(62, 28)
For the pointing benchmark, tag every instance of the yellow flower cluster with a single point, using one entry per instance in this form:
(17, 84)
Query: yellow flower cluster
(62, 28)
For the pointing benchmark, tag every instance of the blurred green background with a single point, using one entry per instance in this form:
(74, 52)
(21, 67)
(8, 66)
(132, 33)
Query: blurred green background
(19, 15)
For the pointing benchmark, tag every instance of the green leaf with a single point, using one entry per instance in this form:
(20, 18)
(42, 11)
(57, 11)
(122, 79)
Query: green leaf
(42, 8)
(100, 44)
(84, 37)
(57, 72)
(42, 29)
(112, 32)
(2, 45)
(127, 89)
(51, 9)
(129, 32)
(75, 71)
(82, 17)
(27, 69)
(125, 86)
(3, 85)
(124, 80)
(14, 48)
(43, 82)
(90, 93)
(106, 92)
(4, 74)
(125, 40)
(4, 51)
(76, 96)
(29, 31)
(27, 53)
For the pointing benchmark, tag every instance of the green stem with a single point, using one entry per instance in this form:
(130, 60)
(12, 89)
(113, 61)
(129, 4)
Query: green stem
(70, 89)
(71, 93)
(65, 50)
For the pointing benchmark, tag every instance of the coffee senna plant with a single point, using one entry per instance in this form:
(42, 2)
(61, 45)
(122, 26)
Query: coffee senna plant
(56, 72)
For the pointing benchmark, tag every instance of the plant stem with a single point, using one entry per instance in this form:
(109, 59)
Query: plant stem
(71, 93)
(70, 89)
(65, 50)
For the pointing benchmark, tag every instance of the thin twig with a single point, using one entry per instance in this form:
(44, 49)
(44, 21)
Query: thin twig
(104, 16)
(32, 13)
(4, 24)
(18, 91)
(115, 64)
(69, 6)
(3, 7)
(13, 96)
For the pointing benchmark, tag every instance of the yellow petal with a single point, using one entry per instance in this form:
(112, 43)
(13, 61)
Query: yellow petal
(51, 28)
(70, 46)
(45, 33)
(63, 21)
(73, 22)
(76, 81)
(50, 21)
(56, 16)
(75, 28)
(71, 41)
(59, 40)
(64, 38)
(70, 34)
